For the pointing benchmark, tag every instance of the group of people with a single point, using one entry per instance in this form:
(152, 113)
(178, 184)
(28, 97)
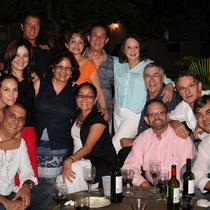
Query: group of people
(57, 111)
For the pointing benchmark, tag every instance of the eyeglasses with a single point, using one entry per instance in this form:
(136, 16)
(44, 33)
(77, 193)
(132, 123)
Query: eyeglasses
(66, 68)
(80, 96)
(154, 76)
(190, 87)
(159, 114)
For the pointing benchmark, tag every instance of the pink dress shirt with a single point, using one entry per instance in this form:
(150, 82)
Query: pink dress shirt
(171, 149)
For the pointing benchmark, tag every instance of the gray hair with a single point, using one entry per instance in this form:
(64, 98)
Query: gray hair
(153, 64)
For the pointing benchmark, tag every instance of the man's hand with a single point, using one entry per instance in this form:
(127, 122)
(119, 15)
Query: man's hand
(126, 142)
(25, 195)
(167, 92)
(197, 131)
(145, 184)
(105, 113)
(179, 129)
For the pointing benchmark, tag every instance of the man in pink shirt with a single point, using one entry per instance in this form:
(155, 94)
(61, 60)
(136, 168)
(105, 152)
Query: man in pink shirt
(159, 142)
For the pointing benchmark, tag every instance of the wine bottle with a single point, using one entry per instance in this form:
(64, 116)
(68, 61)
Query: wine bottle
(173, 191)
(188, 180)
(116, 182)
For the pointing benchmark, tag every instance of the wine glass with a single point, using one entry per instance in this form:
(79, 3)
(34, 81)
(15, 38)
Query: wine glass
(154, 169)
(162, 182)
(128, 178)
(89, 173)
(59, 191)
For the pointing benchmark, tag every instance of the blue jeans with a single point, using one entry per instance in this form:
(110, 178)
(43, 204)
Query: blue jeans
(41, 197)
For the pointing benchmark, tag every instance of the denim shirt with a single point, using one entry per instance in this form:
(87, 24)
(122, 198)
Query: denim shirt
(106, 75)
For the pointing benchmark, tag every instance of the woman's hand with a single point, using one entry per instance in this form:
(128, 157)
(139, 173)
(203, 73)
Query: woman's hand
(167, 92)
(67, 171)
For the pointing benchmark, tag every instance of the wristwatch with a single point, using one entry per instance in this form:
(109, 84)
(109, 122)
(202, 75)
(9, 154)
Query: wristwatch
(30, 183)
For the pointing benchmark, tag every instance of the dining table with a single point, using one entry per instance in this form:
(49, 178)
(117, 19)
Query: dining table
(145, 194)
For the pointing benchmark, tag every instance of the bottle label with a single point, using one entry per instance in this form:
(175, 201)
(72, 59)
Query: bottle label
(191, 186)
(118, 188)
(176, 195)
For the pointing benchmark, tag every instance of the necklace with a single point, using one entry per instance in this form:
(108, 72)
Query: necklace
(79, 122)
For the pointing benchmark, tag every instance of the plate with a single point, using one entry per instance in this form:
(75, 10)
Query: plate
(97, 202)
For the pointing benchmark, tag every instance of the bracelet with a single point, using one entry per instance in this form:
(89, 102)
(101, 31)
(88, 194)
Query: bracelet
(71, 159)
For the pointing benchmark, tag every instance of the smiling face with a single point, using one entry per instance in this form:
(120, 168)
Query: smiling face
(85, 98)
(8, 92)
(98, 38)
(153, 80)
(31, 28)
(62, 71)
(75, 45)
(189, 90)
(203, 117)
(13, 120)
(157, 117)
(132, 49)
(21, 59)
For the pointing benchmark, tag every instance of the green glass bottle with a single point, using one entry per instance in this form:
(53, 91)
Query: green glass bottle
(116, 182)
(173, 191)
(188, 180)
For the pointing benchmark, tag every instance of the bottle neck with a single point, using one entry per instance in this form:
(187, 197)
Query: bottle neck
(188, 165)
(116, 164)
(173, 172)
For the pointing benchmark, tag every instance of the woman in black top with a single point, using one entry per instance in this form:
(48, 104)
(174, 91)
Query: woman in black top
(91, 141)
(54, 107)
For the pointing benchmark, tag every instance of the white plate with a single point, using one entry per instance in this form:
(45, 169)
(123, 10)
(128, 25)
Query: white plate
(97, 202)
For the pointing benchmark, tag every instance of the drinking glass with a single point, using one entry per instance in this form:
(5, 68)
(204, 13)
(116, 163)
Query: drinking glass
(128, 178)
(81, 201)
(154, 169)
(59, 191)
(89, 173)
(162, 182)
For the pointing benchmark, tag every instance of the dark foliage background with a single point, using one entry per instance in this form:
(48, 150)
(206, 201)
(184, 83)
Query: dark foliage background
(145, 17)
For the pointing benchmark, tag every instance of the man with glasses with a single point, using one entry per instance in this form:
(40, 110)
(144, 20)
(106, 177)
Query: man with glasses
(31, 25)
(154, 81)
(159, 142)
(189, 87)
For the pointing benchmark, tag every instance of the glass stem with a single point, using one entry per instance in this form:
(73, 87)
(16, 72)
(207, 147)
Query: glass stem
(59, 206)
(128, 187)
(154, 183)
(89, 188)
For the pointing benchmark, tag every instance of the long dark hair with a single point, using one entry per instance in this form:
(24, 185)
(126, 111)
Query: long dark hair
(58, 58)
(11, 52)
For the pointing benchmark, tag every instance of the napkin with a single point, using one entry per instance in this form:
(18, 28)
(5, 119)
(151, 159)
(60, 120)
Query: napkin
(71, 203)
(203, 203)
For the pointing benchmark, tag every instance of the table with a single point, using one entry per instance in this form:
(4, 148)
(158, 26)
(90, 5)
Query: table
(143, 193)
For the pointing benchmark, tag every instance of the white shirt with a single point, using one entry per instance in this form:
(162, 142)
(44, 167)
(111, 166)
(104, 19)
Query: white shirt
(201, 167)
(183, 112)
(11, 162)
(75, 133)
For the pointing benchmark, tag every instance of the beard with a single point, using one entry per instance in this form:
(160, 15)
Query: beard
(158, 124)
